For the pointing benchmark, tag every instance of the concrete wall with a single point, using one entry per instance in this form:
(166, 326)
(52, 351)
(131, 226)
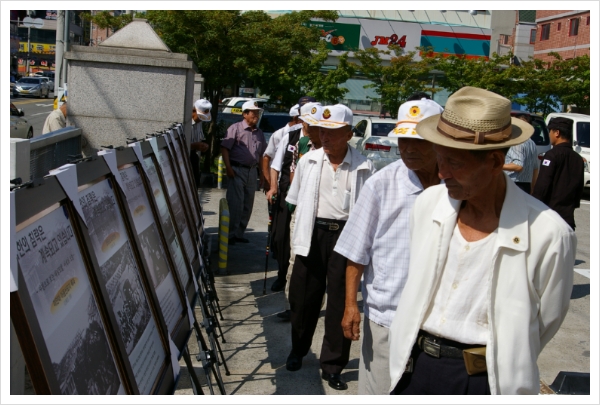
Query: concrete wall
(128, 88)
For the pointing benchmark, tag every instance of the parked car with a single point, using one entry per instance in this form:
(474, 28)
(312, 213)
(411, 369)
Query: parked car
(581, 138)
(45, 73)
(370, 137)
(234, 104)
(33, 86)
(49, 83)
(19, 127)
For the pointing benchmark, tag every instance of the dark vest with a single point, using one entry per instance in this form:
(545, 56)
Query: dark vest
(284, 181)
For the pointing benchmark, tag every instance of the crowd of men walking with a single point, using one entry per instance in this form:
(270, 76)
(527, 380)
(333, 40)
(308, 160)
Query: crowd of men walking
(465, 250)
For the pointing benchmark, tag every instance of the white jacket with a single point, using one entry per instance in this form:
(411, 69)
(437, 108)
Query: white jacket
(529, 291)
(304, 192)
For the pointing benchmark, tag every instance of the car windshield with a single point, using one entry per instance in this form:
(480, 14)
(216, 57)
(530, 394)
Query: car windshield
(382, 128)
(30, 80)
(583, 134)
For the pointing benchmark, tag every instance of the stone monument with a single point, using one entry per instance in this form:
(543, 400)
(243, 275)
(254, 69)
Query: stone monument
(128, 86)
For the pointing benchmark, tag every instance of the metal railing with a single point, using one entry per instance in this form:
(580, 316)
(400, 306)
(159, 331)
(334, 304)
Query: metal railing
(53, 150)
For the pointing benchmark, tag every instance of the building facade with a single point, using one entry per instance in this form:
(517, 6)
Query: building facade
(566, 32)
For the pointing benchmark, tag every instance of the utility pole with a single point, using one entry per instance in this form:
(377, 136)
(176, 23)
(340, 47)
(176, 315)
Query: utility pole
(66, 38)
(58, 56)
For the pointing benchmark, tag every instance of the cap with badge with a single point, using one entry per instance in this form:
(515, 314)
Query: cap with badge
(203, 108)
(251, 105)
(294, 111)
(311, 113)
(335, 116)
(410, 113)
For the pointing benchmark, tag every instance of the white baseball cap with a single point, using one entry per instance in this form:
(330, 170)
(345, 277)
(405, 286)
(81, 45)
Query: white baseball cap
(335, 116)
(409, 115)
(311, 113)
(203, 107)
(250, 105)
(294, 111)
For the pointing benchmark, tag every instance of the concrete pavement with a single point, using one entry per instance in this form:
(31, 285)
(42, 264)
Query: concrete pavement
(258, 343)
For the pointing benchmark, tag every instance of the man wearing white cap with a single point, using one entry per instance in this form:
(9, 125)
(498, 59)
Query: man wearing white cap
(200, 114)
(491, 268)
(326, 184)
(242, 150)
(376, 241)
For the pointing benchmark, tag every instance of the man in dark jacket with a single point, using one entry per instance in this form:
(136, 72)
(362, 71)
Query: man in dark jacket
(560, 180)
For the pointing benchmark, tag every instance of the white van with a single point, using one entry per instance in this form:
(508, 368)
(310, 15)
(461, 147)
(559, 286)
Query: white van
(581, 138)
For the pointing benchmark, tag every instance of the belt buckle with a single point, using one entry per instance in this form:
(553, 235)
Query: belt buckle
(333, 226)
(431, 347)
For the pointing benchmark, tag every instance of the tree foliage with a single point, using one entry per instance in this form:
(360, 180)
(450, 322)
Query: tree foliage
(396, 81)
(280, 56)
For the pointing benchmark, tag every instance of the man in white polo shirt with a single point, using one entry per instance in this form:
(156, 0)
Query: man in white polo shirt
(326, 184)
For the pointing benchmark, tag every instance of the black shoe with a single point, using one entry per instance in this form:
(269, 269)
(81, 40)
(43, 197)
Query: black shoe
(232, 241)
(278, 286)
(285, 315)
(241, 240)
(335, 381)
(294, 362)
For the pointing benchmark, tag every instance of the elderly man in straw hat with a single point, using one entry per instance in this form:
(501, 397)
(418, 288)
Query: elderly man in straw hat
(491, 269)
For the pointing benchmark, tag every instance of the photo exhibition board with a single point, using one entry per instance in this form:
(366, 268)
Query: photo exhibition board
(153, 253)
(62, 333)
(172, 237)
(120, 276)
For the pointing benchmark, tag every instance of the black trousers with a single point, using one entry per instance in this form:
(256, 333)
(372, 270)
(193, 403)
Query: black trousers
(195, 163)
(440, 376)
(280, 236)
(323, 269)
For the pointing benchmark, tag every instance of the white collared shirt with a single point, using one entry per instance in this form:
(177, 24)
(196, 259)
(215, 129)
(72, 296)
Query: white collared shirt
(335, 189)
(459, 308)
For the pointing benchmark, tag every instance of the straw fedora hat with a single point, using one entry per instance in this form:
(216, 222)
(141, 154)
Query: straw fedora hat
(475, 119)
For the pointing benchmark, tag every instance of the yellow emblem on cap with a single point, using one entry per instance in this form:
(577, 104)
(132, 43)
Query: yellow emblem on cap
(255, 104)
(314, 110)
(326, 113)
(414, 111)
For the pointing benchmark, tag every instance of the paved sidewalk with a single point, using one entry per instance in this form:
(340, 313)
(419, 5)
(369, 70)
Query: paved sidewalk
(257, 341)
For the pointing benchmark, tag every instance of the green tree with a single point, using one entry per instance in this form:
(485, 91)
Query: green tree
(394, 81)
(279, 55)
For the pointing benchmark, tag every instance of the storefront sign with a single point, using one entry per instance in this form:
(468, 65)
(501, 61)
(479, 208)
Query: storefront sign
(391, 40)
(339, 37)
(37, 47)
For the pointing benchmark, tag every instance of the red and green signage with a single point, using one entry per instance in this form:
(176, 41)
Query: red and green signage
(339, 37)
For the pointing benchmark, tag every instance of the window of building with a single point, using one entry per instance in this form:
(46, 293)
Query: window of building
(504, 39)
(573, 27)
(587, 20)
(545, 35)
(532, 35)
(558, 26)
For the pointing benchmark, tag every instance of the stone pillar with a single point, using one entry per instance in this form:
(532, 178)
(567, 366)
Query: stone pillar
(128, 86)
(198, 87)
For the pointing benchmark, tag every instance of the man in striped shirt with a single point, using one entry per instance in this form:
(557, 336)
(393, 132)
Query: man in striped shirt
(521, 163)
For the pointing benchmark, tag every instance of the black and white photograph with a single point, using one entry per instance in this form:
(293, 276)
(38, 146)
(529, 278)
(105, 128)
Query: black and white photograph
(66, 311)
(121, 278)
(104, 223)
